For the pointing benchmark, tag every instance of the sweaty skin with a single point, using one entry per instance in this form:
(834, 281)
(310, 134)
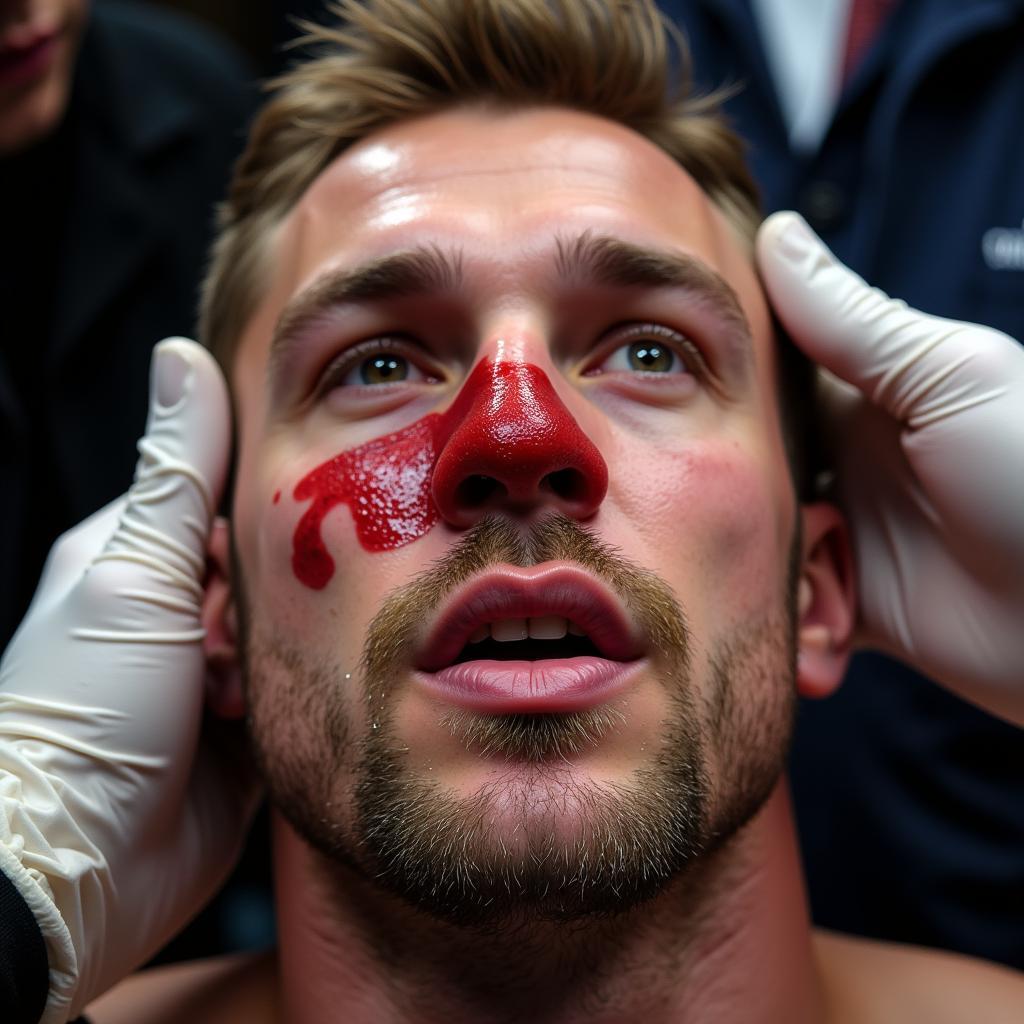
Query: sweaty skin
(394, 484)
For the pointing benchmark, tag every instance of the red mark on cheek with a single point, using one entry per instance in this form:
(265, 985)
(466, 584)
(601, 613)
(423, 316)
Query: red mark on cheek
(277, 497)
(388, 483)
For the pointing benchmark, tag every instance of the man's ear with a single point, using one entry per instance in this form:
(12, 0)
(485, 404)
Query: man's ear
(224, 695)
(826, 601)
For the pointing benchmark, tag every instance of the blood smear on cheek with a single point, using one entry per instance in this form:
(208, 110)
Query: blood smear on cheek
(385, 483)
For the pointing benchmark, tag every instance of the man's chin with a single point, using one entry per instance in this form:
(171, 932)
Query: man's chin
(538, 780)
(535, 807)
(532, 840)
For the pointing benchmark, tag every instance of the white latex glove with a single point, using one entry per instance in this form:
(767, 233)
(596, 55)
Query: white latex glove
(115, 824)
(927, 428)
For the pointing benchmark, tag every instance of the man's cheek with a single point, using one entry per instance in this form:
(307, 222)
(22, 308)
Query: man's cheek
(710, 519)
(333, 618)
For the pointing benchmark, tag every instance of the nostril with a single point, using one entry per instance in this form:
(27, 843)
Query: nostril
(568, 484)
(479, 491)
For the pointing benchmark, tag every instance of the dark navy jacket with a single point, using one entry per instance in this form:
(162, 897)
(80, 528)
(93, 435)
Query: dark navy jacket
(910, 803)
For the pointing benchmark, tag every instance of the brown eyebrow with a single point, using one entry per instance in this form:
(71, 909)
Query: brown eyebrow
(419, 271)
(587, 257)
(611, 261)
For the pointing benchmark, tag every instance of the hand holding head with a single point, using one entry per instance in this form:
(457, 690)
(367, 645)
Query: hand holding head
(928, 428)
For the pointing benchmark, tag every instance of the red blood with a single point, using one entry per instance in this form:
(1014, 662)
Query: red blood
(507, 423)
(277, 497)
(385, 483)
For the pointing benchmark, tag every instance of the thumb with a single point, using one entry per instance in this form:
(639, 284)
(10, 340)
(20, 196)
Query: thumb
(182, 464)
(877, 344)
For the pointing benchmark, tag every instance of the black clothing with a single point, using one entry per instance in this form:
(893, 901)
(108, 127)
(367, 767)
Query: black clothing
(105, 228)
(23, 965)
(909, 802)
(105, 231)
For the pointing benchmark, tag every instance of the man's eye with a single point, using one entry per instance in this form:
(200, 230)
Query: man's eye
(649, 354)
(366, 366)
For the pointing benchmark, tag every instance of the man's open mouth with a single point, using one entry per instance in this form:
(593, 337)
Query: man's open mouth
(548, 639)
(541, 638)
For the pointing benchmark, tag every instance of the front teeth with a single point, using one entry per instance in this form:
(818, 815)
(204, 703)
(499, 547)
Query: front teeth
(548, 627)
(543, 627)
(509, 629)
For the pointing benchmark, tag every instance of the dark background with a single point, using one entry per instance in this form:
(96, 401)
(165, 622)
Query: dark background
(259, 29)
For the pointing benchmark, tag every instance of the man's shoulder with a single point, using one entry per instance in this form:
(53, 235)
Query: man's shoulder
(221, 990)
(868, 981)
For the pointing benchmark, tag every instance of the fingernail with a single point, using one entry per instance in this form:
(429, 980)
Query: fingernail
(796, 238)
(171, 376)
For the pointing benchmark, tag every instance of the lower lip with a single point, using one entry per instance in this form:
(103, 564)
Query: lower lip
(531, 687)
(26, 65)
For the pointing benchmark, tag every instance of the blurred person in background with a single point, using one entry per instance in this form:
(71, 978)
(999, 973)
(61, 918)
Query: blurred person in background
(118, 127)
(894, 126)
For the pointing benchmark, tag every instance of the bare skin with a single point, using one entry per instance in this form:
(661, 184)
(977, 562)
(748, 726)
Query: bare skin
(698, 492)
(864, 983)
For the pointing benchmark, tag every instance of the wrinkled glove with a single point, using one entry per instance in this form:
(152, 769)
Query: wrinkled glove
(927, 425)
(116, 823)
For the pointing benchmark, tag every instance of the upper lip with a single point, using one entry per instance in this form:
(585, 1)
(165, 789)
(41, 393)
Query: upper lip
(511, 592)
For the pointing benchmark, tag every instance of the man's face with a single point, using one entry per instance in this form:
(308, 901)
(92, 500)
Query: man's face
(38, 43)
(569, 358)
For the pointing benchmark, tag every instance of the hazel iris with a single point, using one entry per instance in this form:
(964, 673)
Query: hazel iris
(650, 357)
(384, 369)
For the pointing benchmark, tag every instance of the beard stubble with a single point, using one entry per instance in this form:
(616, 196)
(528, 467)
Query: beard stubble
(358, 802)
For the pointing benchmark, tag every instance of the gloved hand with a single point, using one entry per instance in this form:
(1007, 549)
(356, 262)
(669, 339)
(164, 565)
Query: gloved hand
(927, 426)
(116, 823)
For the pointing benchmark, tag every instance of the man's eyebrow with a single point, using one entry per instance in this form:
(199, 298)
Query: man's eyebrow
(421, 270)
(593, 258)
(617, 263)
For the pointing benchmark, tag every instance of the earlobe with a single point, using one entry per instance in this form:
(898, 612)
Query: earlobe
(224, 694)
(826, 601)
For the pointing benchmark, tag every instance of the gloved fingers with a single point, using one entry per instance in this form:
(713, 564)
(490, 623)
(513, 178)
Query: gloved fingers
(918, 368)
(162, 532)
(830, 312)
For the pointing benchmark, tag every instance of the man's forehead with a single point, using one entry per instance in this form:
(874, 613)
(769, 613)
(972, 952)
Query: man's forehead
(504, 191)
(505, 180)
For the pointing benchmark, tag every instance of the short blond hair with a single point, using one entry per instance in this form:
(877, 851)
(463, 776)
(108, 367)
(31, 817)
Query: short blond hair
(392, 60)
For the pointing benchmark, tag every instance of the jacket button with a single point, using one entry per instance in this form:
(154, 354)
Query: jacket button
(824, 204)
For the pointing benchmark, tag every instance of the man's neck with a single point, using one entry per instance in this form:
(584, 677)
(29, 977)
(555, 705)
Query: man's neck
(731, 941)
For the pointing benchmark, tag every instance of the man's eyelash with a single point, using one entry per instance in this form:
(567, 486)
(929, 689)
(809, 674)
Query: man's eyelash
(345, 361)
(685, 348)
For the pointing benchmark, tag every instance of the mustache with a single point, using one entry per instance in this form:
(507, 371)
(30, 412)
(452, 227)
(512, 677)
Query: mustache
(497, 541)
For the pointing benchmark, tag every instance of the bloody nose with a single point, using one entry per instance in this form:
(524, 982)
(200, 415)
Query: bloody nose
(509, 442)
